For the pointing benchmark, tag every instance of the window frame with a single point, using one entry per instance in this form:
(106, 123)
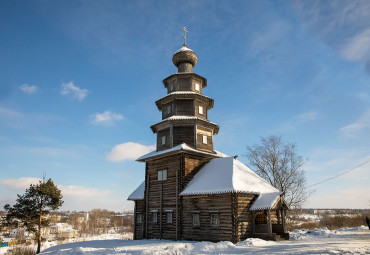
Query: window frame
(155, 217)
(197, 217)
(216, 216)
(169, 220)
(160, 176)
(200, 110)
(204, 139)
(139, 218)
(169, 109)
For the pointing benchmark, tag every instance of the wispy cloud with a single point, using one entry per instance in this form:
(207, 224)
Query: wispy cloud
(299, 119)
(106, 118)
(358, 48)
(353, 129)
(76, 92)
(30, 89)
(128, 151)
(81, 191)
(343, 25)
(20, 183)
(23, 183)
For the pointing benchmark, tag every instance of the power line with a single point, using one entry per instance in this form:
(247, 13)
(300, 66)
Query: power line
(339, 174)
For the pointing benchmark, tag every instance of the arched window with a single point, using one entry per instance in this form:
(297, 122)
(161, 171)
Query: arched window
(260, 219)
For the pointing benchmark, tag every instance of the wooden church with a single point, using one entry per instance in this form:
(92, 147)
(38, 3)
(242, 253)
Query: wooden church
(191, 191)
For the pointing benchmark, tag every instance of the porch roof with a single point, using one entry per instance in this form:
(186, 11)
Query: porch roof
(138, 193)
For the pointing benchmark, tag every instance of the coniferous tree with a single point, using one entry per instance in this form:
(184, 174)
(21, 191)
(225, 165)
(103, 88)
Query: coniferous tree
(33, 205)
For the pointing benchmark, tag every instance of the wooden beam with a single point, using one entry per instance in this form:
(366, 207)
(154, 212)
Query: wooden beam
(160, 210)
(253, 222)
(269, 227)
(177, 204)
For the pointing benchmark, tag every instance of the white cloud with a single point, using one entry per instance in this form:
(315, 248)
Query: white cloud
(358, 48)
(30, 89)
(81, 191)
(106, 118)
(21, 183)
(128, 151)
(76, 92)
(299, 119)
(355, 128)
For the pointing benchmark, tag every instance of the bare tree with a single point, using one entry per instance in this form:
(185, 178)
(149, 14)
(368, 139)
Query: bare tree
(277, 162)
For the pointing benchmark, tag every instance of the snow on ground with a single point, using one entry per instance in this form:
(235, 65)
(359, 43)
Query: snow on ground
(318, 241)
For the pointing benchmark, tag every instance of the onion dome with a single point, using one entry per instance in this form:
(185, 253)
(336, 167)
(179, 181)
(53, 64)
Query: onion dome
(185, 59)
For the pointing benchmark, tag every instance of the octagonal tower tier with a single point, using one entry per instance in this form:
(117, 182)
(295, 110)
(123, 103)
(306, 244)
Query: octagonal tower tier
(184, 108)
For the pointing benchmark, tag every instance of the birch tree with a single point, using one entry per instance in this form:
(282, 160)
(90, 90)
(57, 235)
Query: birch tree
(277, 162)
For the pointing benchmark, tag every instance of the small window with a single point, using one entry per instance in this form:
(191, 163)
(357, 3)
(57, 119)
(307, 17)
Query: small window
(196, 219)
(200, 109)
(162, 175)
(204, 139)
(169, 218)
(155, 217)
(197, 87)
(215, 220)
(138, 218)
(169, 109)
(163, 140)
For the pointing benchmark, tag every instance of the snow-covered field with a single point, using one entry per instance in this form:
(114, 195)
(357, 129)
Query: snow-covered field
(318, 241)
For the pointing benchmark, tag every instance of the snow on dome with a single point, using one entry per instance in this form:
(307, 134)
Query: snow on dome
(183, 48)
(224, 175)
(138, 193)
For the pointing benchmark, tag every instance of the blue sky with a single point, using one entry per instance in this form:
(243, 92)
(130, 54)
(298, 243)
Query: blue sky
(78, 82)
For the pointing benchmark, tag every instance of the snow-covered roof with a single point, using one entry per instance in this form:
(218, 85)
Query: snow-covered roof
(184, 117)
(184, 93)
(138, 193)
(183, 48)
(224, 175)
(183, 147)
(265, 201)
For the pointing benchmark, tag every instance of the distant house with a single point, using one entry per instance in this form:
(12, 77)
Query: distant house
(69, 233)
(8, 241)
(191, 191)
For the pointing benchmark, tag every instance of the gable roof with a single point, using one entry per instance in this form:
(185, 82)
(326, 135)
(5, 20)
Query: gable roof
(180, 147)
(138, 193)
(224, 175)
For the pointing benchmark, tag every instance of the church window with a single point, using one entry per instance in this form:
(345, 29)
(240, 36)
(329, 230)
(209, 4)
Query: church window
(155, 217)
(162, 175)
(197, 88)
(169, 218)
(204, 139)
(163, 140)
(260, 219)
(215, 219)
(138, 218)
(200, 109)
(196, 219)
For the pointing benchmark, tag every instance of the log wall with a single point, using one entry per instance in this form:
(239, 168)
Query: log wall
(183, 134)
(205, 206)
(139, 228)
(162, 196)
(160, 134)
